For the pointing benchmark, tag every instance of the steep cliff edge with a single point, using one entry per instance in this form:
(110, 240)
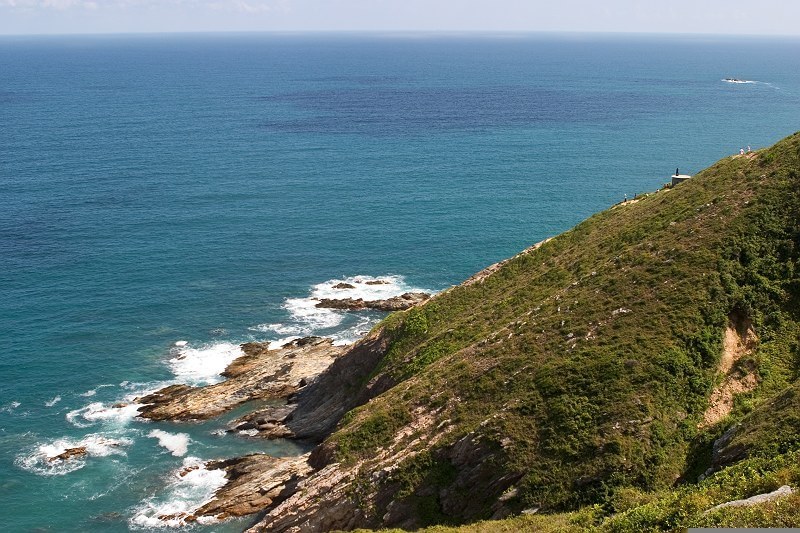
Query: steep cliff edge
(569, 374)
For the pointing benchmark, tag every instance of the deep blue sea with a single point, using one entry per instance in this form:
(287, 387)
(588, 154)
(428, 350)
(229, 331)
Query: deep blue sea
(166, 197)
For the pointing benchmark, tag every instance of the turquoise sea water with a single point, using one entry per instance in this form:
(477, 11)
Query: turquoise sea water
(203, 188)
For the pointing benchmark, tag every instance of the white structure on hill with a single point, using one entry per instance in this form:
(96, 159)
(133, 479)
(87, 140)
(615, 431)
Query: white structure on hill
(679, 178)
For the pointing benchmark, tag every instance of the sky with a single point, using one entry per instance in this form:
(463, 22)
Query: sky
(762, 17)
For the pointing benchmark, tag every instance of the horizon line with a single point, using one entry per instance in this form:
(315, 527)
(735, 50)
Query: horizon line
(451, 32)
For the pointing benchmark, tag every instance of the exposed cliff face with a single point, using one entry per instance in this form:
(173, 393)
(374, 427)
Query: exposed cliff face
(314, 411)
(255, 483)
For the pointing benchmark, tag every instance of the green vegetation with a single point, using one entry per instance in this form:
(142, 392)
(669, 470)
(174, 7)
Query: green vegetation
(681, 508)
(374, 430)
(575, 378)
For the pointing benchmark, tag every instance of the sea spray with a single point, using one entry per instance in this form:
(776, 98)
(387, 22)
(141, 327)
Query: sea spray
(345, 327)
(177, 443)
(203, 365)
(187, 489)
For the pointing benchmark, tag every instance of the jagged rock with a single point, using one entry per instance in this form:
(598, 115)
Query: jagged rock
(376, 282)
(316, 408)
(344, 286)
(320, 503)
(188, 469)
(396, 303)
(260, 374)
(255, 484)
(69, 453)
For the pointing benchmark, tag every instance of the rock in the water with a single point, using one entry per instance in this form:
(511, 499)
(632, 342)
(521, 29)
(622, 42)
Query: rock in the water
(376, 282)
(349, 304)
(315, 409)
(69, 453)
(396, 303)
(344, 286)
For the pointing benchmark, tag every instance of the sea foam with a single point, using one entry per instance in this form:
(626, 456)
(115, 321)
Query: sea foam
(99, 412)
(177, 443)
(42, 459)
(308, 319)
(9, 407)
(189, 488)
(203, 366)
(51, 403)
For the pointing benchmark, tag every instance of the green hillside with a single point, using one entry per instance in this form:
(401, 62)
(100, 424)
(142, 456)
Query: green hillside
(591, 375)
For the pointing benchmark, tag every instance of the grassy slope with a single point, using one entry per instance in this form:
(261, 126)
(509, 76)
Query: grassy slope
(580, 371)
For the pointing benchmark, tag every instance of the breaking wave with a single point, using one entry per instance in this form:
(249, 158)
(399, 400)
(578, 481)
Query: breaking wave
(188, 489)
(49, 459)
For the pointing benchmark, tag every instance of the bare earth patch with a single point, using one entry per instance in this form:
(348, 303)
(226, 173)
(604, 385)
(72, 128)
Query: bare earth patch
(740, 340)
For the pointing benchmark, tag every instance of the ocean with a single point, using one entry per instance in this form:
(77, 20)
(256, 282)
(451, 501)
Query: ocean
(164, 198)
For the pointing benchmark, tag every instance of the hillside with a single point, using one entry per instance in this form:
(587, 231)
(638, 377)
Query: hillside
(600, 364)
(588, 375)
(597, 367)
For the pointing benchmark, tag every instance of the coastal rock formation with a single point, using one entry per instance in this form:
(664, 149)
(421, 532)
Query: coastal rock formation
(321, 503)
(314, 411)
(255, 483)
(260, 374)
(69, 453)
(258, 483)
(396, 303)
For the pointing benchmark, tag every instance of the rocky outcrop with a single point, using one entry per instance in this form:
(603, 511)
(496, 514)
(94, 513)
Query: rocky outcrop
(255, 483)
(69, 453)
(260, 374)
(326, 499)
(316, 408)
(396, 303)
(322, 502)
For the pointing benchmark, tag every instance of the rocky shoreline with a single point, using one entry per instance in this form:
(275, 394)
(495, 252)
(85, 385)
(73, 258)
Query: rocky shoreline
(396, 303)
(311, 376)
(260, 374)
(300, 392)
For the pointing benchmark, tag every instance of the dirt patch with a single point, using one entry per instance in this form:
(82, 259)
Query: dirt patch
(629, 201)
(740, 340)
